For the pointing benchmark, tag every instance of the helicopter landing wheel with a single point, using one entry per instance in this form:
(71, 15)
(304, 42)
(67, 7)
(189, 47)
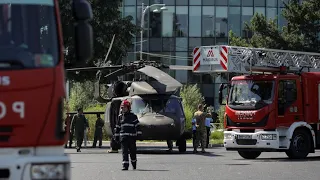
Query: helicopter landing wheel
(182, 145)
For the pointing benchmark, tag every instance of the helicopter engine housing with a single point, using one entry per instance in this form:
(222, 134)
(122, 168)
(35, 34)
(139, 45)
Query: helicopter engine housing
(118, 89)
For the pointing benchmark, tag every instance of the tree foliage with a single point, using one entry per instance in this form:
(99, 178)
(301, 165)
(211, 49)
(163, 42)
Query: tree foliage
(81, 95)
(191, 98)
(301, 33)
(106, 22)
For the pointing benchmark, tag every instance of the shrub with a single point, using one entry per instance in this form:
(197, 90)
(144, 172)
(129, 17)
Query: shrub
(216, 135)
(191, 97)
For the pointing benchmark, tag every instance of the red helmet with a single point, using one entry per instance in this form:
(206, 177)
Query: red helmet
(126, 103)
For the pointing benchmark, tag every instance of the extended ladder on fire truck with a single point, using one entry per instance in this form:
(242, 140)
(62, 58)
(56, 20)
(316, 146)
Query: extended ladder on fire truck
(221, 58)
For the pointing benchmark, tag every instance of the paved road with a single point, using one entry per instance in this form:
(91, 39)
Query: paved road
(154, 163)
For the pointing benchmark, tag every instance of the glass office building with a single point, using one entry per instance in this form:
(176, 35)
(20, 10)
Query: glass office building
(189, 23)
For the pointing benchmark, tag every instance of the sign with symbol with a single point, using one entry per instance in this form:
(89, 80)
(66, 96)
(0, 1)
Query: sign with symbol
(210, 55)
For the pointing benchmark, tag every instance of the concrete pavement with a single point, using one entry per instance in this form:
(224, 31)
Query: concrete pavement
(154, 163)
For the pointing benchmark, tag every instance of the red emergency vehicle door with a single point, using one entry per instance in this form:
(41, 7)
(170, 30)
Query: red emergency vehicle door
(289, 102)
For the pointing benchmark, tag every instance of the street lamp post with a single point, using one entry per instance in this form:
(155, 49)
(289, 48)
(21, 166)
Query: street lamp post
(143, 12)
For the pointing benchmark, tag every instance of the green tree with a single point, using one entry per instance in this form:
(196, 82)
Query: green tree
(81, 95)
(301, 33)
(191, 98)
(106, 22)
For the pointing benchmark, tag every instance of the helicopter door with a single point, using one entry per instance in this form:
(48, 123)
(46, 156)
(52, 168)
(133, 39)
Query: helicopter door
(114, 113)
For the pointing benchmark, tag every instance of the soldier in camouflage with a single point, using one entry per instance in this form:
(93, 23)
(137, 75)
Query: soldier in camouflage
(79, 122)
(201, 133)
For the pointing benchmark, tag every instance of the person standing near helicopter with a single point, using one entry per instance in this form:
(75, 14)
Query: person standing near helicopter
(126, 132)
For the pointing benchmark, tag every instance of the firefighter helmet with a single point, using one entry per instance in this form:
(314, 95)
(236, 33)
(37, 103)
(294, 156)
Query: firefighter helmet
(126, 103)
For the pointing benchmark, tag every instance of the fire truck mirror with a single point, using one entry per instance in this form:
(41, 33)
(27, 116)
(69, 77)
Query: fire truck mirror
(83, 41)
(82, 10)
(221, 94)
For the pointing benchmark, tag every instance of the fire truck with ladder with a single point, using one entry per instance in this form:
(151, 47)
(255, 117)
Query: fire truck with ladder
(274, 102)
(32, 86)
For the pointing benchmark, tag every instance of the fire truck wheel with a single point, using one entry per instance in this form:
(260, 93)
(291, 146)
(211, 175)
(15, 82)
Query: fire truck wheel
(300, 145)
(249, 154)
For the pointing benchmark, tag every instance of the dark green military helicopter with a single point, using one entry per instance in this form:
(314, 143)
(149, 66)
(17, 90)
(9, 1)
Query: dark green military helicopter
(153, 100)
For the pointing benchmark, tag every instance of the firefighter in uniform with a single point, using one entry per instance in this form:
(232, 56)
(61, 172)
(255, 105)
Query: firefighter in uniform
(201, 133)
(79, 122)
(126, 132)
(98, 132)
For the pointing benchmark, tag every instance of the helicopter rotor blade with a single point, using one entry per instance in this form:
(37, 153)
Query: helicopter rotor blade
(111, 44)
(96, 68)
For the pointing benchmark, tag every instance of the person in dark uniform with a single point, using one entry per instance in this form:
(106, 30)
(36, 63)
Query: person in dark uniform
(71, 131)
(98, 132)
(79, 122)
(126, 132)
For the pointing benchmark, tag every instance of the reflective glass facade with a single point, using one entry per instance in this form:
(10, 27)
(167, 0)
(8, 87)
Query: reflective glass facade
(189, 23)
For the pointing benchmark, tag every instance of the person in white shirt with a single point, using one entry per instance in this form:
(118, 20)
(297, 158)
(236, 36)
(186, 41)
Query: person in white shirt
(208, 127)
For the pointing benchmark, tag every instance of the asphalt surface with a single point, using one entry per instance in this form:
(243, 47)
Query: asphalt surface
(154, 163)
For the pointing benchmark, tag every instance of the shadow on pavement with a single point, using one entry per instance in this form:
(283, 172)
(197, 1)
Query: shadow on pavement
(313, 158)
(237, 164)
(150, 170)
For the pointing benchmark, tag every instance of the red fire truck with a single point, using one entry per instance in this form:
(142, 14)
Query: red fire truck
(273, 105)
(32, 86)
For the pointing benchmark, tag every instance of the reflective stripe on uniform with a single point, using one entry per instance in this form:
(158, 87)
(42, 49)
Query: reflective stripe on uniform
(128, 134)
(126, 124)
(139, 132)
(133, 160)
(135, 121)
(117, 134)
(117, 126)
(125, 162)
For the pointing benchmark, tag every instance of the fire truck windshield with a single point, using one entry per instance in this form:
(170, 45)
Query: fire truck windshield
(248, 94)
(28, 34)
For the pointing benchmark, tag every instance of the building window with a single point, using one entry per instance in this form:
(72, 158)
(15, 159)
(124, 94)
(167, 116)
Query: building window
(208, 2)
(139, 2)
(168, 22)
(193, 42)
(155, 44)
(208, 21)
(282, 20)
(182, 2)
(260, 3)
(247, 13)
(260, 10)
(168, 44)
(221, 26)
(166, 2)
(234, 3)
(208, 41)
(234, 20)
(129, 2)
(271, 3)
(181, 44)
(130, 11)
(271, 13)
(155, 24)
(194, 2)
(195, 21)
(181, 21)
(221, 2)
(282, 2)
(247, 2)
(181, 59)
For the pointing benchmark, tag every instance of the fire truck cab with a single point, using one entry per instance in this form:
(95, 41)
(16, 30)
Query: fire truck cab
(32, 86)
(273, 105)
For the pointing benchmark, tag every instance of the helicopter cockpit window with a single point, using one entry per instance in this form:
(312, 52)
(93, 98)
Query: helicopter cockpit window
(139, 106)
(173, 106)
